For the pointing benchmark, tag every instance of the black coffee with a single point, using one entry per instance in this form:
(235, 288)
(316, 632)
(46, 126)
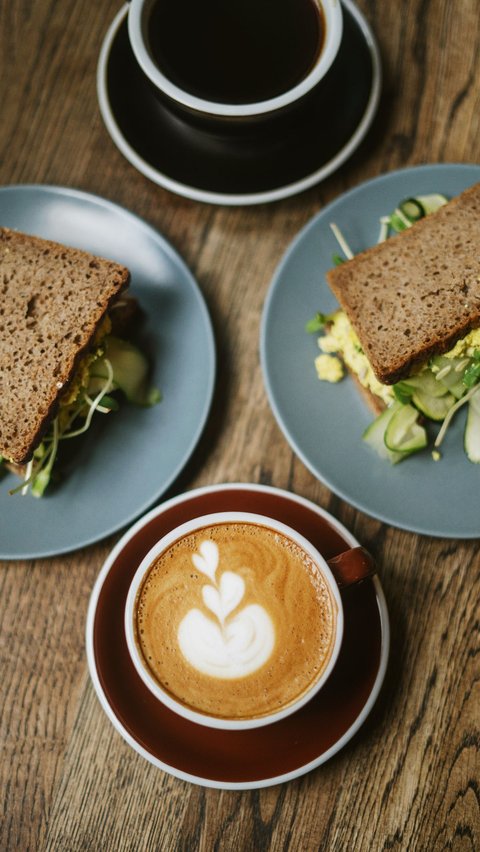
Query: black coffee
(236, 51)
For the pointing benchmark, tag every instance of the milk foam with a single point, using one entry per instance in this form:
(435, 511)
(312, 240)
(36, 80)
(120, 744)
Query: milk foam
(224, 647)
(256, 615)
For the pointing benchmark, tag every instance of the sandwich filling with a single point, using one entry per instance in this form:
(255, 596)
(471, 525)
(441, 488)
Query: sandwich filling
(62, 350)
(341, 346)
(415, 366)
(341, 340)
(111, 365)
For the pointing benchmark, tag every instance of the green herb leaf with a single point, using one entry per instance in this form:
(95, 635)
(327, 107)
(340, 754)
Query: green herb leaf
(317, 323)
(337, 260)
(471, 375)
(109, 402)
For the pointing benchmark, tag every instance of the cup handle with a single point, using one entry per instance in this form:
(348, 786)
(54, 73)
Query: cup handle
(352, 566)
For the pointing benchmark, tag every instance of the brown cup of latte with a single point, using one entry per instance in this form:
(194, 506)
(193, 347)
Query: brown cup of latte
(238, 59)
(234, 620)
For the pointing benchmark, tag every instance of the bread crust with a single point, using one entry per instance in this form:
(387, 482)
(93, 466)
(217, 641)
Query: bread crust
(54, 299)
(417, 293)
(375, 403)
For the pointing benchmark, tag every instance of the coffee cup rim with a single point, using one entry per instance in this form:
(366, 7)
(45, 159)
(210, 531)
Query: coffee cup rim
(166, 541)
(333, 16)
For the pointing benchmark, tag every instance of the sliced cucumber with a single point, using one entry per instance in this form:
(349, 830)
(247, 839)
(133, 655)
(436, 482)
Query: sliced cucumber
(472, 430)
(412, 209)
(447, 374)
(402, 392)
(130, 371)
(396, 433)
(374, 435)
(458, 389)
(404, 434)
(434, 407)
(424, 382)
(432, 202)
(97, 381)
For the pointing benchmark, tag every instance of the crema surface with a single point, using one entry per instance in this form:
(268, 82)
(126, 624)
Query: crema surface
(235, 620)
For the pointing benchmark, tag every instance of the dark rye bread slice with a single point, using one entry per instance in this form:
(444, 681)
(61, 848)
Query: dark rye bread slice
(52, 300)
(417, 293)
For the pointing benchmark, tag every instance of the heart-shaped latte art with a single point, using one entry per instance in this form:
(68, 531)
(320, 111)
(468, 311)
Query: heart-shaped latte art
(230, 649)
(223, 600)
(235, 651)
(207, 560)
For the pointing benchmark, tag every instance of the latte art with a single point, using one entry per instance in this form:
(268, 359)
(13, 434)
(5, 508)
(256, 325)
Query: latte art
(228, 647)
(235, 620)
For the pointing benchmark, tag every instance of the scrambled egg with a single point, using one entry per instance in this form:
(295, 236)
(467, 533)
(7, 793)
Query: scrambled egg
(465, 347)
(82, 372)
(329, 368)
(340, 339)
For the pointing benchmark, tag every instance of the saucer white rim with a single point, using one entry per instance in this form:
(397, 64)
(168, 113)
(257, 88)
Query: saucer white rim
(172, 770)
(238, 199)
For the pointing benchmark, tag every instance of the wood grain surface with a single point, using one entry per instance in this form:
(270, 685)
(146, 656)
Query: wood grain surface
(410, 778)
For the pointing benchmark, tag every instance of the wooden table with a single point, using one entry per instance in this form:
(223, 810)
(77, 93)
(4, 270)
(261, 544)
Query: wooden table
(409, 780)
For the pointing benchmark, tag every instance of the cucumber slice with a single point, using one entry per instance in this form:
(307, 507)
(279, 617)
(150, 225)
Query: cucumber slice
(130, 371)
(446, 374)
(403, 433)
(402, 392)
(472, 430)
(412, 209)
(432, 202)
(424, 382)
(446, 370)
(458, 389)
(374, 435)
(97, 381)
(434, 407)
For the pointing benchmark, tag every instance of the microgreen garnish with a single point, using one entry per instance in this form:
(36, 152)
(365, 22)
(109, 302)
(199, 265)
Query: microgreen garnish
(471, 375)
(451, 413)
(341, 241)
(101, 380)
(317, 323)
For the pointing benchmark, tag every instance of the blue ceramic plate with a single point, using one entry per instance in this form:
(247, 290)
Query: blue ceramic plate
(324, 423)
(121, 466)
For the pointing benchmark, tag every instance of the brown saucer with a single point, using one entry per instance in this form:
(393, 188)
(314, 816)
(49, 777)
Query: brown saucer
(237, 759)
